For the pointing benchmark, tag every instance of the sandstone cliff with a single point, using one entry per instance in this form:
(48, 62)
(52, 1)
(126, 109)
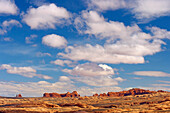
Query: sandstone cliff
(68, 94)
(133, 92)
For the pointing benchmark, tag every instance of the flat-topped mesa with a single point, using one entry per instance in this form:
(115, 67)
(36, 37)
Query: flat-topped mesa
(133, 92)
(68, 94)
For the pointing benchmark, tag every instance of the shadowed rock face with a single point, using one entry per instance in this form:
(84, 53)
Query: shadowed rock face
(68, 94)
(133, 92)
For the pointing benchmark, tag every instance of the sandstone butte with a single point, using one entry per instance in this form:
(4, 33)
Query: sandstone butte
(133, 92)
(19, 96)
(68, 94)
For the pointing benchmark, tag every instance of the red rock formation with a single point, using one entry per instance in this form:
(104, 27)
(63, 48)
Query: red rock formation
(103, 95)
(68, 94)
(95, 95)
(162, 91)
(133, 92)
(19, 96)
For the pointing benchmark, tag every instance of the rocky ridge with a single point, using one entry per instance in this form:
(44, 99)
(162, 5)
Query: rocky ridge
(132, 92)
(68, 94)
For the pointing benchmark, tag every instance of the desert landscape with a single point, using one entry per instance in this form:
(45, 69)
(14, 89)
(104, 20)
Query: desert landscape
(134, 100)
(84, 56)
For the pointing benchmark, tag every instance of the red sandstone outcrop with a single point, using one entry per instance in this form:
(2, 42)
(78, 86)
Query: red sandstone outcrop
(133, 92)
(68, 94)
(95, 95)
(162, 91)
(19, 96)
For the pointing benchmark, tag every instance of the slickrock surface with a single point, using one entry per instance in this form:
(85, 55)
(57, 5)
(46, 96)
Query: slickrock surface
(153, 102)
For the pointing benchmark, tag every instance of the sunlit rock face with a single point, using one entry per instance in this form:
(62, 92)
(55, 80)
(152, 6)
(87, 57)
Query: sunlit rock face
(133, 92)
(68, 94)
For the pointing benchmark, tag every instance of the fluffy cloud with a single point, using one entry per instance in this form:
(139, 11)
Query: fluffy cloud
(54, 41)
(159, 33)
(23, 71)
(120, 79)
(95, 24)
(151, 8)
(113, 54)
(46, 16)
(64, 78)
(8, 7)
(124, 44)
(142, 9)
(151, 73)
(91, 69)
(7, 25)
(62, 62)
(99, 81)
(11, 23)
(94, 75)
(107, 4)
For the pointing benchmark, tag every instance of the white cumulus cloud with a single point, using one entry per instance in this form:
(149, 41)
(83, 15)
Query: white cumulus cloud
(124, 44)
(23, 71)
(107, 4)
(159, 33)
(54, 41)
(142, 9)
(151, 8)
(94, 74)
(61, 62)
(46, 16)
(8, 7)
(91, 69)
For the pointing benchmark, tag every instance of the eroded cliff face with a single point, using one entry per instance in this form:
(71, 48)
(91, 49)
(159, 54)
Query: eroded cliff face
(68, 94)
(133, 92)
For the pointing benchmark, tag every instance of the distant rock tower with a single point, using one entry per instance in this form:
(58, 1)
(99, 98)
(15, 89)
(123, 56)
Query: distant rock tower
(19, 96)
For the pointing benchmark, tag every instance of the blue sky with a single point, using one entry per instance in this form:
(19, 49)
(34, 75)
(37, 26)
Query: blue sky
(92, 46)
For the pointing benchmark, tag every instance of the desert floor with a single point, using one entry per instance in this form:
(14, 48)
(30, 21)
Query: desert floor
(159, 102)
